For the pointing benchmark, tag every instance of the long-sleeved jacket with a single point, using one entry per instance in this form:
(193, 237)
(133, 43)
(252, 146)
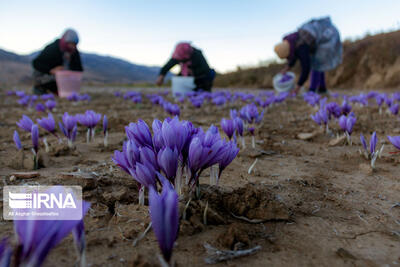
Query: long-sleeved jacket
(52, 56)
(302, 45)
(199, 66)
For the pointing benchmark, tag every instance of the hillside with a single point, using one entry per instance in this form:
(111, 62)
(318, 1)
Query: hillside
(16, 69)
(372, 62)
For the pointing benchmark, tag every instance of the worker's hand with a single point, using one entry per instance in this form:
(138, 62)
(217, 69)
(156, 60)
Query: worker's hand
(285, 69)
(55, 69)
(160, 80)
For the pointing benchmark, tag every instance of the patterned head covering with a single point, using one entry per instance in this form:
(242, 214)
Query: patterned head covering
(183, 51)
(70, 36)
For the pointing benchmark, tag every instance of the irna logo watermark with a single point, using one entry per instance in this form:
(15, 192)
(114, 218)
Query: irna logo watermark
(42, 203)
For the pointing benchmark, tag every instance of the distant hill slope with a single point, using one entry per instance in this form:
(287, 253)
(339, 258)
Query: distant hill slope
(371, 62)
(16, 69)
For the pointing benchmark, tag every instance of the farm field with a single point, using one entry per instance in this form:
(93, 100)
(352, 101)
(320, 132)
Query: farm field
(309, 198)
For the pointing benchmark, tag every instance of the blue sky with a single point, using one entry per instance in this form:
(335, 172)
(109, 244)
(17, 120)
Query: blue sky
(230, 32)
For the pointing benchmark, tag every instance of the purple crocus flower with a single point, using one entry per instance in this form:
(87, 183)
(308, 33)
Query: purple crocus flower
(172, 109)
(174, 134)
(35, 137)
(394, 109)
(50, 104)
(249, 113)
(165, 218)
(395, 140)
(17, 142)
(20, 94)
(228, 126)
(204, 151)
(145, 174)
(343, 122)
(140, 133)
(128, 157)
(24, 101)
(372, 143)
(363, 142)
(105, 124)
(317, 118)
(233, 113)
(69, 127)
(350, 124)
(48, 123)
(333, 109)
(229, 153)
(219, 100)
(5, 253)
(73, 97)
(89, 118)
(168, 159)
(37, 237)
(47, 97)
(78, 232)
(346, 108)
(25, 123)
(239, 126)
(379, 98)
(40, 107)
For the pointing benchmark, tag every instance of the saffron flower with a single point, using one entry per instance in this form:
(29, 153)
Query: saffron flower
(50, 104)
(17, 140)
(172, 109)
(40, 107)
(229, 127)
(25, 123)
(229, 153)
(35, 138)
(140, 163)
(204, 152)
(240, 130)
(347, 124)
(346, 108)
(48, 124)
(90, 120)
(36, 238)
(140, 133)
(371, 152)
(168, 160)
(395, 140)
(47, 97)
(35, 144)
(165, 218)
(69, 128)
(394, 109)
(5, 253)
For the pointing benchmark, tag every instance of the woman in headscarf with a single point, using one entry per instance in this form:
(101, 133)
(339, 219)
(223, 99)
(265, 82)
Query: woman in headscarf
(62, 54)
(317, 46)
(192, 63)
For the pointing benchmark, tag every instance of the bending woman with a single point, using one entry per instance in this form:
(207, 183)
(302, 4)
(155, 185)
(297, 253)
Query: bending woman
(317, 46)
(192, 63)
(62, 54)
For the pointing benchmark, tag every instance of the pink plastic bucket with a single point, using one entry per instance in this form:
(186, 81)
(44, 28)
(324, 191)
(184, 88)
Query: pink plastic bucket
(68, 82)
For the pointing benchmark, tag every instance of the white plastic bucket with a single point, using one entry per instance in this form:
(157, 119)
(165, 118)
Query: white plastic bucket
(286, 84)
(68, 82)
(182, 84)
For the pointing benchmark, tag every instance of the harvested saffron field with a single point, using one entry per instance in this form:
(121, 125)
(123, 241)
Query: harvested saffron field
(304, 191)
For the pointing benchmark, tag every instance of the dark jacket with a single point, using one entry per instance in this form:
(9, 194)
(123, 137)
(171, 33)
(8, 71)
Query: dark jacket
(302, 45)
(52, 56)
(199, 66)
